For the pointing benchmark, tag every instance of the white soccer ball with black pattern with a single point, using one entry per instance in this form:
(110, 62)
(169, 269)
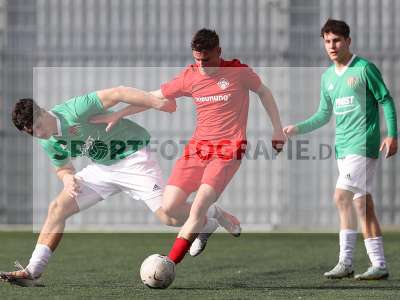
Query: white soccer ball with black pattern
(157, 271)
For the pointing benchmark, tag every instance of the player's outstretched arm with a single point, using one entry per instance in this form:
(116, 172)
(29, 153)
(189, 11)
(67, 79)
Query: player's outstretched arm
(268, 101)
(113, 118)
(169, 106)
(129, 95)
(318, 119)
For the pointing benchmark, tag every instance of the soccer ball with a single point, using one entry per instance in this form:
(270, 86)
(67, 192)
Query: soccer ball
(157, 271)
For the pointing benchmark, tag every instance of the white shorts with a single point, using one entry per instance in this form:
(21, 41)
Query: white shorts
(356, 174)
(138, 175)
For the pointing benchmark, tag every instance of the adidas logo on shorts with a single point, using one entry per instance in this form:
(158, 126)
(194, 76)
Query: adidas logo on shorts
(348, 177)
(156, 188)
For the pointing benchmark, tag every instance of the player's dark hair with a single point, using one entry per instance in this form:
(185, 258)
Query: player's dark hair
(336, 27)
(23, 114)
(205, 39)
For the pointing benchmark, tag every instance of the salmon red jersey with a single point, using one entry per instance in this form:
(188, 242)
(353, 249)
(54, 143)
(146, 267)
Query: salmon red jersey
(221, 99)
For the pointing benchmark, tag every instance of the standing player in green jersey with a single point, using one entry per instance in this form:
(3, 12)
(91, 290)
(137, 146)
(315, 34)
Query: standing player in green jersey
(352, 88)
(121, 162)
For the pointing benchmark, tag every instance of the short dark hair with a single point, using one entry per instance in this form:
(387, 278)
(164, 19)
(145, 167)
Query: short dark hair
(25, 110)
(205, 39)
(337, 27)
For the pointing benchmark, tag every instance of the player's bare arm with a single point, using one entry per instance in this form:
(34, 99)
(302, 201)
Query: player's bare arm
(113, 118)
(129, 95)
(269, 103)
(66, 174)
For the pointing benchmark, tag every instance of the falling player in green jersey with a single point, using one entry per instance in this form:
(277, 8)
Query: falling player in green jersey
(353, 89)
(121, 161)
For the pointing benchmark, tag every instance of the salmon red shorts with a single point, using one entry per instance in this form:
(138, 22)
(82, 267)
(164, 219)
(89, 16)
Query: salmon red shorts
(207, 163)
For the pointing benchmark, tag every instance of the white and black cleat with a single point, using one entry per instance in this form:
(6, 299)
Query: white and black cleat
(199, 244)
(20, 277)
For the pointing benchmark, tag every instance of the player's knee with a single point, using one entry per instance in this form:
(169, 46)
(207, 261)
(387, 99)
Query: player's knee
(55, 211)
(171, 222)
(171, 209)
(341, 200)
(172, 202)
(168, 209)
(60, 210)
(167, 219)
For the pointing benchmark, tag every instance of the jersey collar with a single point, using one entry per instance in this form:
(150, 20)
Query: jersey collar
(59, 132)
(341, 72)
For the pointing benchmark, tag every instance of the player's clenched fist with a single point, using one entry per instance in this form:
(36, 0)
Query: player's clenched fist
(71, 185)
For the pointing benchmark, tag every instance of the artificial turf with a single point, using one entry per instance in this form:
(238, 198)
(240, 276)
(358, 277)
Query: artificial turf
(254, 266)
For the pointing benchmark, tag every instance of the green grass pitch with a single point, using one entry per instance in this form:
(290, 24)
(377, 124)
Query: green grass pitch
(254, 266)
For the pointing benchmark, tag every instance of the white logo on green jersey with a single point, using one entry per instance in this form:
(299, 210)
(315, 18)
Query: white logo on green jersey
(345, 105)
(344, 101)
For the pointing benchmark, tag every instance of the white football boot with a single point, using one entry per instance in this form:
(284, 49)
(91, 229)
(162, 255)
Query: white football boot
(373, 273)
(20, 277)
(199, 244)
(340, 271)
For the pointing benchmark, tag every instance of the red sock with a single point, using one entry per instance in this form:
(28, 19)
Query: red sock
(179, 249)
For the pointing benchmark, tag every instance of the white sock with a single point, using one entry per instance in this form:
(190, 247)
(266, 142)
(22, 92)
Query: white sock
(211, 225)
(40, 258)
(347, 243)
(374, 248)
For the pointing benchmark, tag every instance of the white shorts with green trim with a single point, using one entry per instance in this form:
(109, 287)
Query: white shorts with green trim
(138, 175)
(356, 174)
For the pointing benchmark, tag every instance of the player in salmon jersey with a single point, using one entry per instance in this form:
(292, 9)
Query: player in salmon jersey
(220, 90)
(352, 88)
